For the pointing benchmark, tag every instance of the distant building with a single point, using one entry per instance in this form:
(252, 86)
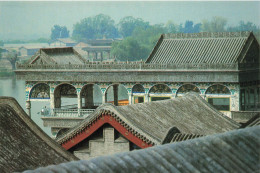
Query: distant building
(24, 51)
(63, 42)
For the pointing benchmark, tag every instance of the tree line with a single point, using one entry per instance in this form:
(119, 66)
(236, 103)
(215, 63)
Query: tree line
(139, 36)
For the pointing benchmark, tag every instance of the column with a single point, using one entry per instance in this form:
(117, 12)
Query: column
(79, 101)
(104, 98)
(28, 107)
(146, 98)
(115, 89)
(89, 102)
(101, 56)
(130, 98)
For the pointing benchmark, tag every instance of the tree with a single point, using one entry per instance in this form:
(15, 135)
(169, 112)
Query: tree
(95, 27)
(129, 49)
(128, 24)
(12, 58)
(189, 28)
(170, 27)
(217, 24)
(59, 32)
(249, 26)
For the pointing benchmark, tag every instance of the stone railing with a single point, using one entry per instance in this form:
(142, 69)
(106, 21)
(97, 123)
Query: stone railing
(70, 113)
(130, 66)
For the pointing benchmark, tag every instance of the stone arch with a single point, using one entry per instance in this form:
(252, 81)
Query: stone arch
(40, 91)
(138, 92)
(138, 88)
(187, 88)
(218, 89)
(218, 95)
(160, 92)
(117, 94)
(160, 88)
(92, 96)
(67, 91)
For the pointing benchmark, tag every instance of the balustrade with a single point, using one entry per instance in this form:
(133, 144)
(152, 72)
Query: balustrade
(131, 66)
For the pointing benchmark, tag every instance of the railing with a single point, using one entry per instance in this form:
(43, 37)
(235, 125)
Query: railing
(130, 66)
(70, 113)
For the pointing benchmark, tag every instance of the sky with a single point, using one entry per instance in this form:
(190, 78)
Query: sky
(34, 19)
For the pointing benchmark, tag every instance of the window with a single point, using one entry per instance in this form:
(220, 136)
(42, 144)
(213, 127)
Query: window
(221, 104)
(159, 98)
(138, 99)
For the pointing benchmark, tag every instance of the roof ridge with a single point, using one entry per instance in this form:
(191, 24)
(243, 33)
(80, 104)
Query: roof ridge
(207, 35)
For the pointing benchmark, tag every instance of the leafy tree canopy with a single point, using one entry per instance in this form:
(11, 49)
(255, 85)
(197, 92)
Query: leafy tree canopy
(59, 32)
(95, 27)
(129, 49)
(216, 24)
(128, 24)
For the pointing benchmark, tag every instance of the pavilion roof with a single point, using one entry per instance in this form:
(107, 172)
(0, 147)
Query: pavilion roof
(59, 56)
(225, 47)
(23, 145)
(152, 121)
(233, 151)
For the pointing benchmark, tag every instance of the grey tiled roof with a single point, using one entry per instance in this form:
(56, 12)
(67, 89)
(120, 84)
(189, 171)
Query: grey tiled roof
(234, 151)
(64, 55)
(199, 48)
(23, 145)
(150, 122)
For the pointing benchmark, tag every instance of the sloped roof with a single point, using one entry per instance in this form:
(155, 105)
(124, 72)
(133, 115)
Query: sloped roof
(190, 114)
(23, 145)
(225, 47)
(234, 151)
(61, 55)
(254, 121)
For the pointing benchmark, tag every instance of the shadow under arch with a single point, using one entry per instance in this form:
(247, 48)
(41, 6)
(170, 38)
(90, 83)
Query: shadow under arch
(160, 92)
(65, 96)
(40, 91)
(117, 94)
(219, 96)
(91, 96)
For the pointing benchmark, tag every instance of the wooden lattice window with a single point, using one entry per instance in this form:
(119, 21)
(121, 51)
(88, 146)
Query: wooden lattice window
(161, 88)
(188, 88)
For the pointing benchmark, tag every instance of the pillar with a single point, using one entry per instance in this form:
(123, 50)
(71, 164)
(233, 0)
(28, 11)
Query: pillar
(115, 89)
(89, 102)
(146, 98)
(28, 107)
(101, 56)
(79, 101)
(130, 97)
(104, 97)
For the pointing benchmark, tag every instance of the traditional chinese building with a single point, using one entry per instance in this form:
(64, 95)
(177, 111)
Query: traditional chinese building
(234, 151)
(111, 129)
(222, 67)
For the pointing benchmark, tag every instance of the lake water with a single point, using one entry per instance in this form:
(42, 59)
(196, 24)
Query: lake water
(16, 88)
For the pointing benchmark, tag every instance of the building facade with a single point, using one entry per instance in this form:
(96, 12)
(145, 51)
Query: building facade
(222, 67)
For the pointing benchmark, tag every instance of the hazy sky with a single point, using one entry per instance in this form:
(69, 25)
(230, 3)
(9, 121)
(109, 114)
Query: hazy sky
(21, 20)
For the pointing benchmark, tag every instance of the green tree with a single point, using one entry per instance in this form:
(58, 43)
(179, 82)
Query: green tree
(95, 27)
(128, 24)
(59, 32)
(170, 27)
(128, 49)
(216, 24)
(249, 26)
